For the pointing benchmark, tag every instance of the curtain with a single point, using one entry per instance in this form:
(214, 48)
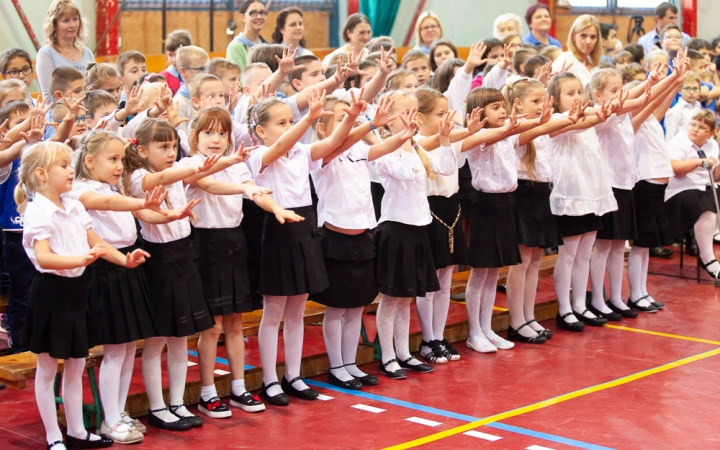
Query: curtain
(381, 13)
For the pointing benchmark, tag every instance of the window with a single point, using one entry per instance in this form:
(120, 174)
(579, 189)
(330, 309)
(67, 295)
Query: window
(612, 5)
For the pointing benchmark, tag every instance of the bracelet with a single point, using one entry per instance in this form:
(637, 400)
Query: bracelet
(372, 127)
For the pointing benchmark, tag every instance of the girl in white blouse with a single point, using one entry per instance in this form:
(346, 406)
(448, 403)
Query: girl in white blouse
(176, 294)
(405, 267)
(59, 240)
(291, 261)
(346, 214)
(221, 258)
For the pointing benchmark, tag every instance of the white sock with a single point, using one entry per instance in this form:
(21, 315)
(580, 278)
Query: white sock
(208, 392)
(352, 325)
(293, 333)
(473, 300)
(273, 309)
(332, 332)
(385, 318)
(441, 302)
(45, 396)
(704, 229)
(152, 375)
(598, 263)
(562, 276)
(72, 399)
(238, 387)
(109, 380)
(580, 272)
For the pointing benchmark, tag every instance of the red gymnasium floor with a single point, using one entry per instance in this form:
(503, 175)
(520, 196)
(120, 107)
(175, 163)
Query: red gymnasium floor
(649, 383)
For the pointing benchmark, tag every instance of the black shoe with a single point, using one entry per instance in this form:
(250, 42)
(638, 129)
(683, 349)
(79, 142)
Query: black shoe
(53, 444)
(280, 399)
(178, 425)
(367, 380)
(647, 309)
(626, 313)
(247, 402)
(611, 316)
(305, 394)
(545, 332)
(661, 252)
(2, 386)
(657, 304)
(73, 442)
(450, 352)
(513, 335)
(575, 326)
(422, 367)
(214, 408)
(395, 375)
(592, 321)
(353, 384)
(192, 419)
(435, 355)
(705, 266)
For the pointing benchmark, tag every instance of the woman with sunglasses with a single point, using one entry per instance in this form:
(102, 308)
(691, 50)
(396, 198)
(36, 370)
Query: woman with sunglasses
(253, 16)
(357, 32)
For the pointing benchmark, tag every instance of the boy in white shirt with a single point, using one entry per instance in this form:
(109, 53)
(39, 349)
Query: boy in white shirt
(679, 117)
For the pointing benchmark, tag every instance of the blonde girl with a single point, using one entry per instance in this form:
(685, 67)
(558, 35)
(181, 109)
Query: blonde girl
(59, 239)
(12, 90)
(103, 77)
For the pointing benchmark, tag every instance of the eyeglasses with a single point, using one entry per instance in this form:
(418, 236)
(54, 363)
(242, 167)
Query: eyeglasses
(699, 127)
(85, 118)
(15, 73)
(198, 69)
(262, 13)
(692, 90)
(429, 27)
(672, 37)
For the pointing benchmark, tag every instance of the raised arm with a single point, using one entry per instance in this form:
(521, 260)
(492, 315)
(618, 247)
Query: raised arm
(286, 66)
(548, 125)
(49, 260)
(131, 260)
(392, 143)
(176, 173)
(324, 147)
(118, 202)
(377, 82)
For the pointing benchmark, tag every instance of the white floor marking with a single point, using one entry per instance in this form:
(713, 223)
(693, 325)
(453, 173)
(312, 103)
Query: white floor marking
(538, 447)
(221, 372)
(421, 421)
(190, 363)
(325, 397)
(367, 408)
(478, 434)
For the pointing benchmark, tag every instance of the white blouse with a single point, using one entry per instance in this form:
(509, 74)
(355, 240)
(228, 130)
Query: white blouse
(543, 160)
(443, 185)
(343, 190)
(617, 141)
(494, 167)
(582, 183)
(66, 231)
(288, 177)
(651, 158)
(576, 68)
(165, 232)
(117, 228)
(405, 181)
(217, 211)
(681, 148)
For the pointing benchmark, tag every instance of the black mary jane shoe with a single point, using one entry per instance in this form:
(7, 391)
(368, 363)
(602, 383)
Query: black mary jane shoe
(73, 442)
(626, 313)
(53, 444)
(399, 374)
(592, 321)
(280, 399)
(367, 380)
(612, 316)
(194, 421)
(574, 326)
(715, 275)
(352, 384)
(657, 304)
(648, 309)
(545, 332)
(422, 367)
(178, 425)
(515, 336)
(305, 394)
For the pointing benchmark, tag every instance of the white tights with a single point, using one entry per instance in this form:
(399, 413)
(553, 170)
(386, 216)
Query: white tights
(433, 308)
(638, 263)
(275, 307)
(522, 282)
(115, 376)
(177, 358)
(393, 323)
(479, 301)
(704, 230)
(610, 253)
(341, 329)
(571, 270)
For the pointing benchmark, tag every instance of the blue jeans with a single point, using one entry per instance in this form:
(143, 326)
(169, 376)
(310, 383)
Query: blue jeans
(21, 272)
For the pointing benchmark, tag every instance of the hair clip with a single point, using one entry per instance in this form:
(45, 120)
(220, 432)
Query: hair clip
(133, 141)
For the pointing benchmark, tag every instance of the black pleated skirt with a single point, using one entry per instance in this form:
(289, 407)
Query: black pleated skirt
(536, 225)
(450, 212)
(493, 235)
(685, 208)
(119, 303)
(652, 222)
(467, 193)
(291, 260)
(577, 225)
(221, 257)
(621, 223)
(350, 265)
(176, 292)
(404, 260)
(58, 320)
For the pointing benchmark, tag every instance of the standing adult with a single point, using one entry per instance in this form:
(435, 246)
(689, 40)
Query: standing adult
(290, 30)
(357, 32)
(665, 14)
(253, 16)
(65, 33)
(539, 21)
(584, 49)
(427, 29)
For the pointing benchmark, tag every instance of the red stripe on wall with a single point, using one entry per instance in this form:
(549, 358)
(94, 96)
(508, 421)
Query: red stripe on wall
(689, 17)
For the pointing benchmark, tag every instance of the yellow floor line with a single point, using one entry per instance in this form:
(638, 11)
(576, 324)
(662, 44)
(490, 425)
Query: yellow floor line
(656, 333)
(499, 308)
(553, 401)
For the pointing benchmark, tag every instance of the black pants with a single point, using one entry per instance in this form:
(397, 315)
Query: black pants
(22, 272)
